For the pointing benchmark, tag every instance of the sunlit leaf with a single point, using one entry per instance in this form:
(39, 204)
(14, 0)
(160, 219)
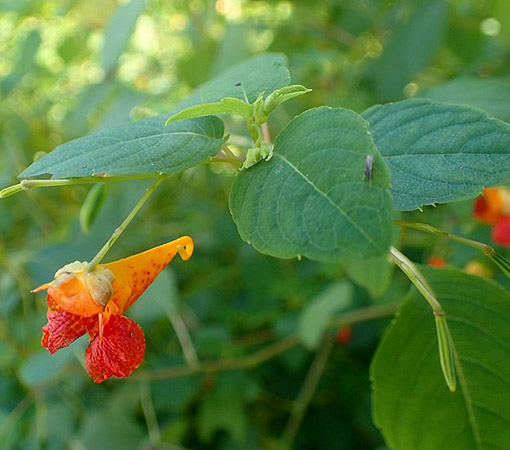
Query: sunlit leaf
(245, 81)
(118, 31)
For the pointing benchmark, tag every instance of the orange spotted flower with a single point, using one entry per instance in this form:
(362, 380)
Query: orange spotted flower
(493, 208)
(81, 302)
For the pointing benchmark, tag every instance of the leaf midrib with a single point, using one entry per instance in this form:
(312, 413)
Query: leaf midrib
(340, 210)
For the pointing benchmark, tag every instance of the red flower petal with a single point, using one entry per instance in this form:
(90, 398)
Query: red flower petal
(63, 328)
(117, 351)
(501, 232)
(436, 261)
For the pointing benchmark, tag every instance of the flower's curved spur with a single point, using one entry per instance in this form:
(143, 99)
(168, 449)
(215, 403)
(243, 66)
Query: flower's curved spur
(82, 302)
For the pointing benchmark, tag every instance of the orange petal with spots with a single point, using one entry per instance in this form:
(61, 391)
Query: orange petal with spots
(133, 275)
(72, 295)
(117, 351)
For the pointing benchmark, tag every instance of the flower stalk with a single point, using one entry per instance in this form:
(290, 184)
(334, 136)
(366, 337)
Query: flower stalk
(120, 229)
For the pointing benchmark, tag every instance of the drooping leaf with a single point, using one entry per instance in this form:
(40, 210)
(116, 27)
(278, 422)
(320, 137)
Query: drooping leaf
(412, 405)
(409, 49)
(145, 146)
(118, 31)
(245, 81)
(489, 94)
(312, 197)
(374, 274)
(439, 152)
(320, 310)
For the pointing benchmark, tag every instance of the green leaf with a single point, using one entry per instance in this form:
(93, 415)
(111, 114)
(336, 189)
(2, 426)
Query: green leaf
(227, 105)
(320, 310)
(410, 49)
(312, 198)
(118, 31)
(374, 274)
(42, 366)
(137, 148)
(439, 153)
(110, 430)
(412, 404)
(224, 408)
(245, 81)
(489, 94)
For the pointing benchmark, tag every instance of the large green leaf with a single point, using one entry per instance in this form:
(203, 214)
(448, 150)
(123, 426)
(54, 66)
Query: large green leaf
(489, 94)
(245, 81)
(438, 152)
(312, 197)
(142, 147)
(411, 403)
(410, 49)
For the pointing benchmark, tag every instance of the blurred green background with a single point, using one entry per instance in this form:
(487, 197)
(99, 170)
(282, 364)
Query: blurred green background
(69, 68)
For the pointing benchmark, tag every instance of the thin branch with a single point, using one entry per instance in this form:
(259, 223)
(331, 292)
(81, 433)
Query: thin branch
(149, 414)
(266, 353)
(308, 390)
(188, 349)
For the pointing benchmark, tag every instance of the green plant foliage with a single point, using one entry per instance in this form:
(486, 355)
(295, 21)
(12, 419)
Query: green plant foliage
(412, 405)
(118, 32)
(374, 274)
(320, 311)
(137, 148)
(245, 81)
(489, 94)
(227, 105)
(265, 346)
(91, 207)
(439, 153)
(410, 49)
(312, 199)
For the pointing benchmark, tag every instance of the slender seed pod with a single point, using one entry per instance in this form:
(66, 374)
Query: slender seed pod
(91, 206)
(446, 351)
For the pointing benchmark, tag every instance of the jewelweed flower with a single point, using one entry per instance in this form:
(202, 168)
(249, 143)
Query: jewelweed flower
(493, 208)
(436, 261)
(81, 302)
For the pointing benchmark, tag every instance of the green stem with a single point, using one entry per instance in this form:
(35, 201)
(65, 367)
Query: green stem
(120, 229)
(227, 151)
(232, 161)
(444, 338)
(150, 414)
(28, 184)
(188, 349)
(486, 249)
(417, 279)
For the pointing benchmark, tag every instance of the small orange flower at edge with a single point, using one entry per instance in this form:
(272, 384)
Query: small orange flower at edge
(81, 302)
